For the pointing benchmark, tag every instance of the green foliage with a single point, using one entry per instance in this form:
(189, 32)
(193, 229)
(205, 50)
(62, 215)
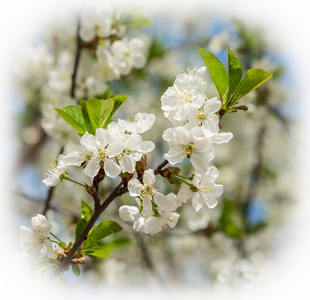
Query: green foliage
(230, 221)
(76, 270)
(91, 114)
(216, 70)
(235, 72)
(252, 80)
(137, 19)
(97, 251)
(231, 87)
(72, 114)
(86, 214)
(101, 231)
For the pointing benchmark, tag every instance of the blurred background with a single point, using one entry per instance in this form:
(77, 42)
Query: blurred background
(256, 225)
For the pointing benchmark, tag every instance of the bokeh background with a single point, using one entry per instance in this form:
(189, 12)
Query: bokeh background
(272, 37)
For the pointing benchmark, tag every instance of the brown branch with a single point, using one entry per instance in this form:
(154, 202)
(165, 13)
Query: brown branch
(160, 166)
(118, 191)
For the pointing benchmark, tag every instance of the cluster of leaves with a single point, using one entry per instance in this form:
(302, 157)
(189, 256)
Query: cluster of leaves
(91, 114)
(232, 85)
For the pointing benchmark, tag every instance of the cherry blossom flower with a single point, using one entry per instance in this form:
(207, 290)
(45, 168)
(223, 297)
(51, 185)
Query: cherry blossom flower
(97, 151)
(34, 242)
(207, 190)
(132, 152)
(129, 54)
(96, 23)
(147, 192)
(56, 173)
(188, 89)
(188, 143)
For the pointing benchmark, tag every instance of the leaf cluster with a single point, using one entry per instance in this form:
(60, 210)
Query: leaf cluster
(91, 114)
(232, 84)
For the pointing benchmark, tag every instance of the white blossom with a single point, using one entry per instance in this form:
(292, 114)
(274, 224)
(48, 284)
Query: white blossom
(34, 242)
(188, 89)
(56, 173)
(207, 190)
(189, 143)
(96, 22)
(147, 193)
(129, 54)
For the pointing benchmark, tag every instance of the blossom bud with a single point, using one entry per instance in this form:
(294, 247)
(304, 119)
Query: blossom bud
(141, 165)
(166, 173)
(101, 174)
(82, 260)
(92, 191)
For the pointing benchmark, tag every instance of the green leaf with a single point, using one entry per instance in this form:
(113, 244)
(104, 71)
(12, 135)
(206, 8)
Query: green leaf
(136, 19)
(99, 111)
(97, 251)
(86, 214)
(76, 270)
(118, 101)
(86, 211)
(100, 231)
(88, 123)
(216, 70)
(252, 80)
(72, 114)
(81, 224)
(235, 71)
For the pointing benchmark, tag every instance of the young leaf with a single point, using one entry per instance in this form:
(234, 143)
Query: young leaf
(252, 80)
(81, 224)
(72, 114)
(99, 111)
(76, 270)
(101, 231)
(118, 101)
(216, 70)
(97, 251)
(88, 123)
(235, 71)
(86, 211)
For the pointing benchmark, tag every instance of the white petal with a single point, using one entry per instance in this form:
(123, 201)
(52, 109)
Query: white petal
(175, 156)
(223, 137)
(149, 177)
(128, 164)
(92, 168)
(196, 202)
(210, 201)
(87, 179)
(73, 158)
(128, 213)
(146, 147)
(134, 187)
(111, 168)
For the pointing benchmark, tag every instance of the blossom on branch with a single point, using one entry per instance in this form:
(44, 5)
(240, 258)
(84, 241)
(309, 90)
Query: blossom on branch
(34, 242)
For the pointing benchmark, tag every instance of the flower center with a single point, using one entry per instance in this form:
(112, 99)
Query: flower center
(188, 148)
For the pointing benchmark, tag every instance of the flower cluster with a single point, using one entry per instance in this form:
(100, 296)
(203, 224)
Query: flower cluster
(155, 211)
(105, 54)
(196, 130)
(115, 149)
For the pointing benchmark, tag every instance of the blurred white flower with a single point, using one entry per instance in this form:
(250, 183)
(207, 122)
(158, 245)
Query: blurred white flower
(96, 22)
(129, 54)
(56, 173)
(34, 242)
